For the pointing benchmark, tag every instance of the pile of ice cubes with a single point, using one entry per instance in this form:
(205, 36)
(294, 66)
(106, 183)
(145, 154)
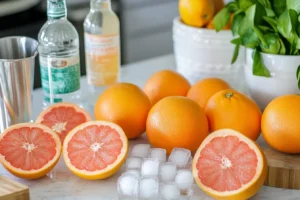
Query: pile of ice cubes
(150, 175)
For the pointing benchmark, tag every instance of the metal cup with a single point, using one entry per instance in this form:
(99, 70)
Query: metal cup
(17, 60)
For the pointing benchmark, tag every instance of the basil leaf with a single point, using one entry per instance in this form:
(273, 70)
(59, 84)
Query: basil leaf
(247, 34)
(258, 67)
(274, 45)
(282, 47)
(279, 6)
(270, 12)
(287, 24)
(221, 19)
(245, 4)
(284, 24)
(232, 7)
(265, 3)
(255, 14)
(272, 22)
(261, 37)
(293, 4)
(237, 43)
(265, 29)
(237, 19)
(298, 44)
(298, 76)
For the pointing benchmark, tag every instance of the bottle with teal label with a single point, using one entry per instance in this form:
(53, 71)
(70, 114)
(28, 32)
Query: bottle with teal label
(59, 56)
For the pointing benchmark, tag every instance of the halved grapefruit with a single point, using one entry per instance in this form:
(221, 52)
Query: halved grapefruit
(29, 150)
(228, 165)
(95, 149)
(63, 117)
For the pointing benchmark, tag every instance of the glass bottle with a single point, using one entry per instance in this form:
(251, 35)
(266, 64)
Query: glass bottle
(102, 46)
(59, 56)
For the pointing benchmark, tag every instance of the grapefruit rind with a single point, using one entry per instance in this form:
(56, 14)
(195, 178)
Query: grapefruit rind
(98, 174)
(247, 190)
(32, 174)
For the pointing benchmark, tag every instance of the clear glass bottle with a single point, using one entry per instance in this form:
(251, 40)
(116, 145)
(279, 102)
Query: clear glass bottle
(102, 46)
(59, 56)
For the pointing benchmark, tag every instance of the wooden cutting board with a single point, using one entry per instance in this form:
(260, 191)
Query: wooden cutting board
(284, 169)
(11, 190)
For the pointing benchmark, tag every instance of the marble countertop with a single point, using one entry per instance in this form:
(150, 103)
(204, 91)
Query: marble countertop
(61, 184)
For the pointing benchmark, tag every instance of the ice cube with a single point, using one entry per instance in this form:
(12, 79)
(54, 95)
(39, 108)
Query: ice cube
(134, 163)
(140, 150)
(158, 153)
(128, 185)
(184, 179)
(180, 157)
(167, 171)
(136, 172)
(148, 187)
(170, 191)
(150, 167)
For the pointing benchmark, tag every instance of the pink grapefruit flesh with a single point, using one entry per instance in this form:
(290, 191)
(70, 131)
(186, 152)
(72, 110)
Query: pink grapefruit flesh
(229, 165)
(95, 150)
(226, 163)
(29, 150)
(63, 117)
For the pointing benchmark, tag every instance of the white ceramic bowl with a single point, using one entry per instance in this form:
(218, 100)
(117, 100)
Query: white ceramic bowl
(283, 78)
(201, 53)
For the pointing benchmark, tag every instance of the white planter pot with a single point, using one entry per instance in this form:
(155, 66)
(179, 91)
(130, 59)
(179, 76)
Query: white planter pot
(202, 53)
(283, 78)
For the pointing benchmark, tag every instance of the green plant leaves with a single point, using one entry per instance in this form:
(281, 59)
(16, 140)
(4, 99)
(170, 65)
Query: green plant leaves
(279, 6)
(293, 4)
(272, 22)
(247, 34)
(287, 26)
(274, 44)
(269, 26)
(237, 20)
(298, 76)
(237, 43)
(245, 4)
(255, 14)
(258, 67)
(221, 19)
(265, 3)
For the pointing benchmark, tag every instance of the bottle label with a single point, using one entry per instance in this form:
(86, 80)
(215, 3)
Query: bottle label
(56, 8)
(102, 59)
(64, 74)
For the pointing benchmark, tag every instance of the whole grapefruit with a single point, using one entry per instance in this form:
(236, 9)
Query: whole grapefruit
(126, 105)
(176, 122)
(281, 123)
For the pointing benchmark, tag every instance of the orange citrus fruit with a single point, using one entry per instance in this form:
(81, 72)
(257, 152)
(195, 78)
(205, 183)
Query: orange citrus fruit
(176, 122)
(126, 105)
(281, 123)
(29, 150)
(195, 12)
(234, 110)
(229, 165)
(206, 88)
(63, 117)
(95, 149)
(218, 5)
(166, 83)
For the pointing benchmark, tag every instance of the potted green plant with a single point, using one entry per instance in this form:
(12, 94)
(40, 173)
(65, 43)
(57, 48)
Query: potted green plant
(270, 32)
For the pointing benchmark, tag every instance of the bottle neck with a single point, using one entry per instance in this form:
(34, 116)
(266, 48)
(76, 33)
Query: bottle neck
(97, 5)
(56, 9)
